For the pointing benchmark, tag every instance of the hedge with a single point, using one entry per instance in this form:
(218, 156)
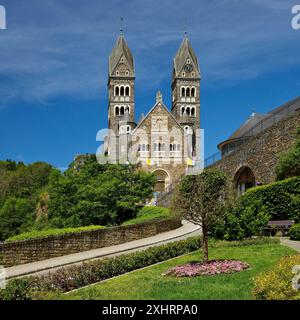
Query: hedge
(35, 234)
(294, 232)
(280, 200)
(77, 276)
(276, 284)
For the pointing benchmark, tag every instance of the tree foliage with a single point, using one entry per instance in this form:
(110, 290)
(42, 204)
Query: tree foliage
(200, 200)
(289, 163)
(97, 194)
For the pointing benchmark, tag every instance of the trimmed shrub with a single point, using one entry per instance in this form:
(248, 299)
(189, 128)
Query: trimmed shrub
(280, 200)
(276, 284)
(36, 234)
(294, 232)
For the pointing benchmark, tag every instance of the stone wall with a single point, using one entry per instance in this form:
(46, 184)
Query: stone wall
(261, 152)
(27, 251)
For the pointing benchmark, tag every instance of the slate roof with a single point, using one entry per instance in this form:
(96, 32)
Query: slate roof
(120, 48)
(184, 52)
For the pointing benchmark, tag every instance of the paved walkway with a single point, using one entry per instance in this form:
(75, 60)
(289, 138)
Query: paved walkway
(290, 243)
(46, 266)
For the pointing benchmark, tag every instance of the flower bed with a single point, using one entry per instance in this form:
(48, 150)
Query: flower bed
(212, 267)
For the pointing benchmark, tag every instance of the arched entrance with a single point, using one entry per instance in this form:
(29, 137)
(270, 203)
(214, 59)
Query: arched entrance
(162, 180)
(244, 180)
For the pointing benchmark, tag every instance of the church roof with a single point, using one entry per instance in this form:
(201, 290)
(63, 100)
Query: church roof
(120, 49)
(184, 52)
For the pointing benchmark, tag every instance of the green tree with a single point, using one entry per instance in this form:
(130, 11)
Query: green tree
(289, 163)
(91, 193)
(200, 199)
(16, 215)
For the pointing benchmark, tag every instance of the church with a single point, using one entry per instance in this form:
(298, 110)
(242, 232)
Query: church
(165, 141)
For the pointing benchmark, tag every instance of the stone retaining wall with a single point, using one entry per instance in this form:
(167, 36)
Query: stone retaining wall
(27, 251)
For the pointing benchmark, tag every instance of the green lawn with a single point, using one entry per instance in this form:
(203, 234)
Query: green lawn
(149, 284)
(150, 213)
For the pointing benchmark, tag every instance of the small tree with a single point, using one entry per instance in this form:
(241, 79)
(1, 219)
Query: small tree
(199, 199)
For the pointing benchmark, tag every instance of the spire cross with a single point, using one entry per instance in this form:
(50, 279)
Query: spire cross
(121, 26)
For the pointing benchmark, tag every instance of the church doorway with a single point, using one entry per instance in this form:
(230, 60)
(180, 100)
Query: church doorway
(162, 180)
(244, 180)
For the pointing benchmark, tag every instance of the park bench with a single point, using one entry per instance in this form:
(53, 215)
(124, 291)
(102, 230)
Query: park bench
(278, 225)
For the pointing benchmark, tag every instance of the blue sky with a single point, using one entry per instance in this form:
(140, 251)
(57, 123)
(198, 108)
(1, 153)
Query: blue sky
(53, 66)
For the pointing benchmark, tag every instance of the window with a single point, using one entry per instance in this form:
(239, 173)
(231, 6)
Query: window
(128, 129)
(193, 112)
(117, 72)
(117, 91)
(122, 59)
(193, 92)
(187, 91)
(122, 111)
(127, 73)
(183, 91)
(122, 91)
(127, 91)
(117, 111)
(188, 110)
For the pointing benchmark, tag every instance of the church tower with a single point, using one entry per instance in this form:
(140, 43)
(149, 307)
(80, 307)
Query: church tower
(121, 80)
(186, 88)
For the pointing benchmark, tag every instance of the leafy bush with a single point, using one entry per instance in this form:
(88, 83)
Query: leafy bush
(289, 163)
(280, 200)
(250, 213)
(76, 276)
(35, 234)
(276, 284)
(294, 232)
(149, 213)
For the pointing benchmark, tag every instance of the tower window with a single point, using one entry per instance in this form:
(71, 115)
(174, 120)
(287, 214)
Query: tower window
(117, 111)
(193, 111)
(122, 91)
(127, 73)
(128, 129)
(122, 111)
(188, 110)
(183, 91)
(117, 72)
(117, 91)
(127, 91)
(122, 59)
(183, 74)
(188, 61)
(187, 91)
(193, 92)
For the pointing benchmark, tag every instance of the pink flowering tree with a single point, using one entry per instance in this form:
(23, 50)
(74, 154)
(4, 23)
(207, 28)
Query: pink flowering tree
(200, 199)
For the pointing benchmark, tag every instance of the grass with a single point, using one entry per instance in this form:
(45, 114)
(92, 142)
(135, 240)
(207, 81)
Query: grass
(36, 234)
(149, 213)
(149, 284)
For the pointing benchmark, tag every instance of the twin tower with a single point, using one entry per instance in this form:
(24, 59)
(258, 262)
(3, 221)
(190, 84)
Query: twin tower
(185, 86)
(167, 158)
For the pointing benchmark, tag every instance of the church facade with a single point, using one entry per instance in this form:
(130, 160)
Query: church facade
(165, 142)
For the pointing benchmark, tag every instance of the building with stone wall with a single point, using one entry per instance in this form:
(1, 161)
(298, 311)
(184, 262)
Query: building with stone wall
(250, 154)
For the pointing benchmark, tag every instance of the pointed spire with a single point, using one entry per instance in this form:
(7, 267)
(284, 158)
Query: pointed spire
(158, 96)
(121, 49)
(184, 53)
